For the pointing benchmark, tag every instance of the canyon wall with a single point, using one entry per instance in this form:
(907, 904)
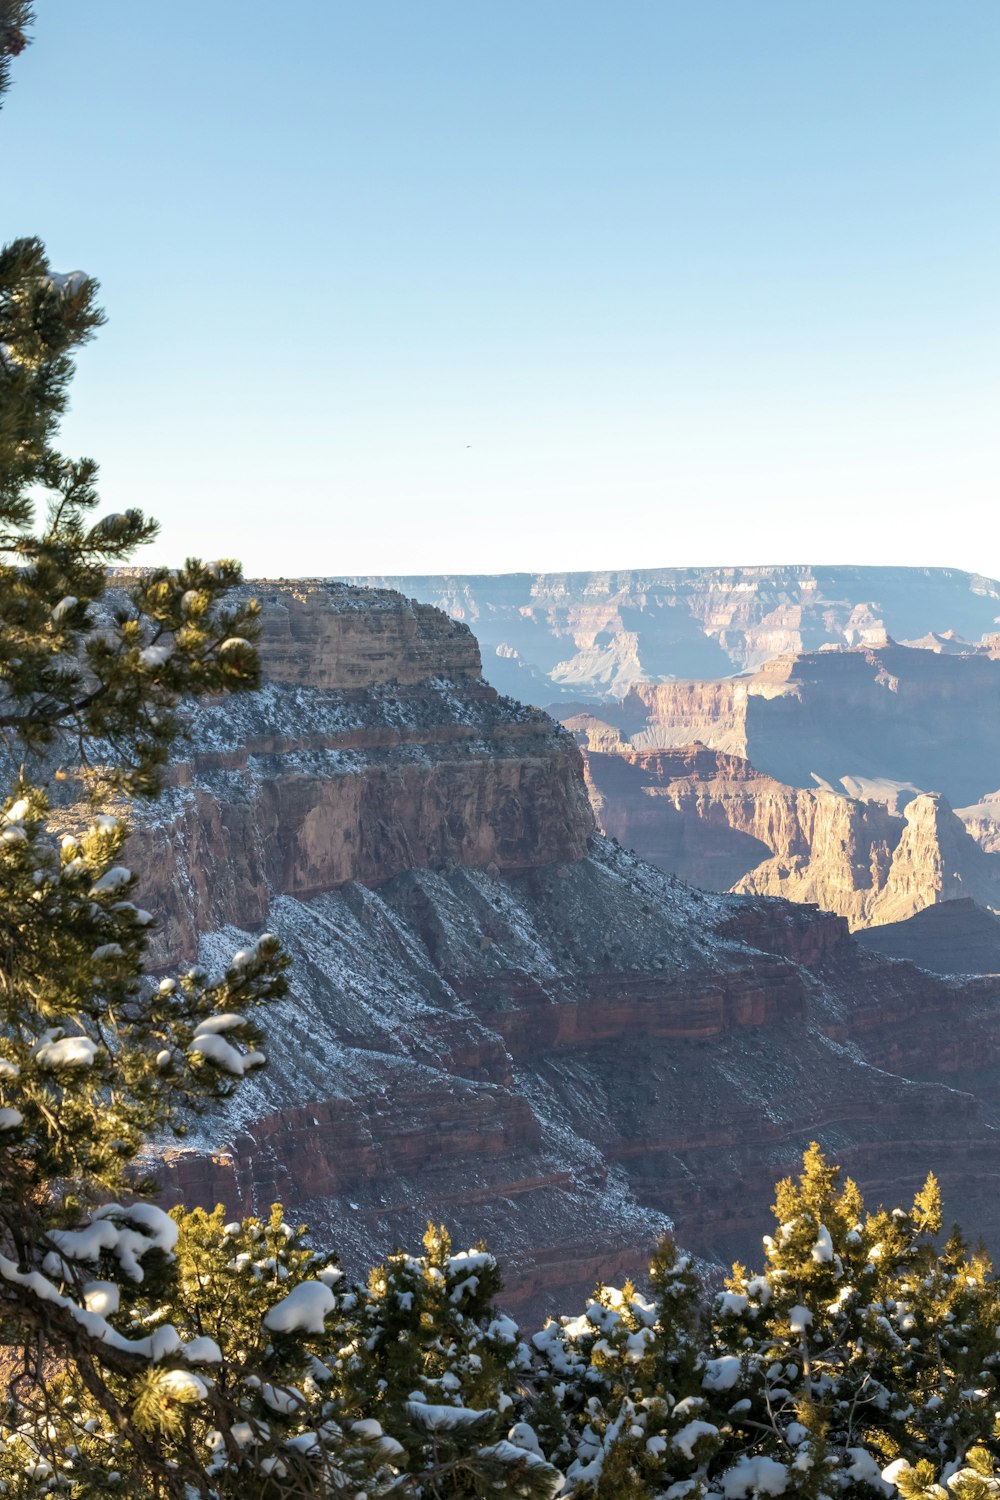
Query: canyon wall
(595, 635)
(828, 778)
(501, 1021)
(716, 821)
(373, 747)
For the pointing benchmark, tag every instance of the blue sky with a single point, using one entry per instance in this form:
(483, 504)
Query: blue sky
(421, 286)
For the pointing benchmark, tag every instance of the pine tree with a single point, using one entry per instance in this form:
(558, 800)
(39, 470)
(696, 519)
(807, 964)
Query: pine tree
(94, 1056)
(631, 1415)
(440, 1369)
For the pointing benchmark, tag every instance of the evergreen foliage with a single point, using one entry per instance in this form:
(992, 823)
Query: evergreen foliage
(860, 1362)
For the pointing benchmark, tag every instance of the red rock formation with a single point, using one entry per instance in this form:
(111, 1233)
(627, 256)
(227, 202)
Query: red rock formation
(375, 746)
(714, 820)
(592, 635)
(558, 1050)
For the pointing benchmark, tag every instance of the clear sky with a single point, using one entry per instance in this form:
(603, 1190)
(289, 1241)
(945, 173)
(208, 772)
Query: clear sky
(491, 285)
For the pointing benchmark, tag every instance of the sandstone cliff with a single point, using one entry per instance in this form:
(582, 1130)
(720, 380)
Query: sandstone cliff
(499, 1021)
(375, 746)
(861, 717)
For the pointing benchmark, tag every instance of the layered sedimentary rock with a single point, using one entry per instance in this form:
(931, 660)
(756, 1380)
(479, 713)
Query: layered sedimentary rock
(499, 1021)
(375, 746)
(596, 635)
(719, 823)
(853, 720)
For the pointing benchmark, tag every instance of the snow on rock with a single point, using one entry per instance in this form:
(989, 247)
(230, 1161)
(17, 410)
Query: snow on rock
(754, 1476)
(303, 1310)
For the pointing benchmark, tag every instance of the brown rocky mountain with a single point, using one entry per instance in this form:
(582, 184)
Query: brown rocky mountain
(853, 720)
(794, 672)
(500, 1020)
(596, 635)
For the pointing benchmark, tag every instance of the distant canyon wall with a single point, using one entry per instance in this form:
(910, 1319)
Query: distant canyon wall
(596, 635)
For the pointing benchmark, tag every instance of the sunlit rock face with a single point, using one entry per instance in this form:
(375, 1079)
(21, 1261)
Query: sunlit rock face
(501, 1021)
(374, 747)
(828, 778)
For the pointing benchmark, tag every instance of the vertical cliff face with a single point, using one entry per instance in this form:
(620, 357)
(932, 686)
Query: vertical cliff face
(716, 821)
(825, 778)
(374, 747)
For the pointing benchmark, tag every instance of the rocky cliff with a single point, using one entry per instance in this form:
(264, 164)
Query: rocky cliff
(596, 635)
(375, 746)
(500, 1021)
(955, 937)
(853, 720)
(716, 821)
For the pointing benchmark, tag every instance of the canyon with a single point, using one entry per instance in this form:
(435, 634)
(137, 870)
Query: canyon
(832, 777)
(596, 635)
(852, 713)
(500, 1018)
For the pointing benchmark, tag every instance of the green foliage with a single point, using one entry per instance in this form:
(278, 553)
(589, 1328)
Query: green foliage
(95, 676)
(95, 1055)
(414, 1385)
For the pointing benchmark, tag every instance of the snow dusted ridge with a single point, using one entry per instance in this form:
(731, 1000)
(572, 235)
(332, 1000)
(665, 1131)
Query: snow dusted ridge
(496, 1020)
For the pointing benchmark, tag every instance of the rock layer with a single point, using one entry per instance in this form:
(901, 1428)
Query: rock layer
(714, 820)
(375, 746)
(499, 1021)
